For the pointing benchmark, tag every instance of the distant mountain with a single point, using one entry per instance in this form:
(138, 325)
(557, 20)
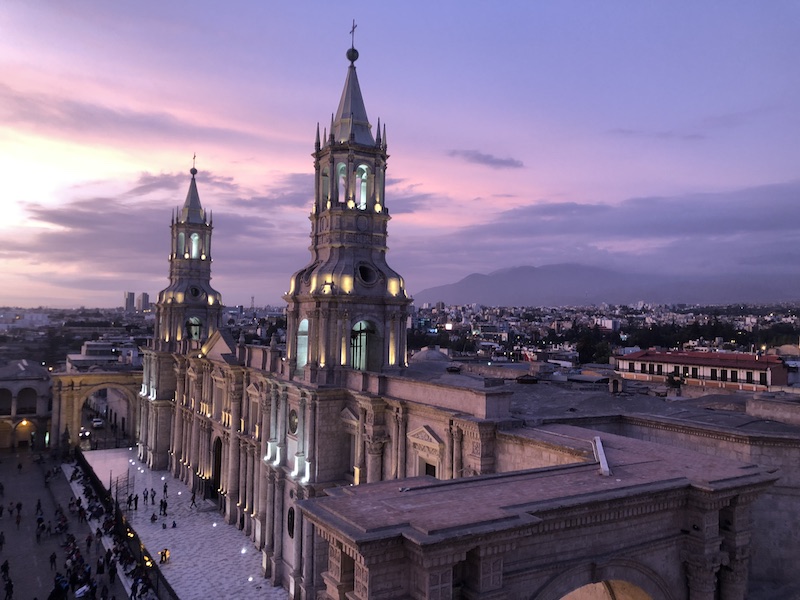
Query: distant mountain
(573, 284)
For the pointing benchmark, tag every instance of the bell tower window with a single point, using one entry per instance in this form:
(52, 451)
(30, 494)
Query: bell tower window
(195, 253)
(302, 344)
(181, 244)
(363, 345)
(193, 328)
(341, 181)
(362, 175)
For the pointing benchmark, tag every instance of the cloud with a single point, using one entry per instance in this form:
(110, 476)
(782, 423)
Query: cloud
(657, 135)
(82, 120)
(488, 160)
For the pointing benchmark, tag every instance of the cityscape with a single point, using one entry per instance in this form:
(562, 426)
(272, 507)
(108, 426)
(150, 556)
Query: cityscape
(353, 384)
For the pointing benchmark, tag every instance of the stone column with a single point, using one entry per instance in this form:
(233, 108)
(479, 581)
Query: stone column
(277, 529)
(241, 484)
(297, 555)
(311, 440)
(359, 466)
(308, 560)
(250, 487)
(233, 481)
(269, 521)
(458, 467)
(401, 443)
(374, 460)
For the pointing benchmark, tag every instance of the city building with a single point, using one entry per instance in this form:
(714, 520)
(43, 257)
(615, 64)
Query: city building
(25, 399)
(142, 302)
(722, 370)
(129, 302)
(360, 475)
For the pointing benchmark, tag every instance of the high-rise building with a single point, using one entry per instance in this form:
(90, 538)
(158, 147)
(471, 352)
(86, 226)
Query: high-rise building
(129, 302)
(143, 302)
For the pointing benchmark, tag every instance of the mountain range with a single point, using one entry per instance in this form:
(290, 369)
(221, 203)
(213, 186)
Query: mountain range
(582, 285)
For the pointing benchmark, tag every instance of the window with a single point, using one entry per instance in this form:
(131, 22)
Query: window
(195, 246)
(676, 370)
(724, 375)
(302, 344)
(193, 328)
(651, 368)
(630, 367)
(713, 374)
(762, 378)
(341, 179)
(749, 377)
(643, 368)
(734, 375)
(360, 345)
(430, 469)
(659, 369)
(694, 372)
(362, 173)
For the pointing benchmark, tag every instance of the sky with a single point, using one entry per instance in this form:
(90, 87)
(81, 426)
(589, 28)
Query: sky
(631, 135)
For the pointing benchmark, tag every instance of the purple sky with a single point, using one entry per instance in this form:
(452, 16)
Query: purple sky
(633, 135)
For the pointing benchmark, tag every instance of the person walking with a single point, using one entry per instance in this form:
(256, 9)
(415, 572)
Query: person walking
(193, 502)
(144, 495)
(2, 540)
(136, 502)
(53, 561)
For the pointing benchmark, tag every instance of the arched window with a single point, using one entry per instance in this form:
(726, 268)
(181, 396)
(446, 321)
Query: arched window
(195, 246)
(302, 344)
(193, 328)
(181, 244)
(341, 181)
(362, 346)
(362, 174)
(325, 184)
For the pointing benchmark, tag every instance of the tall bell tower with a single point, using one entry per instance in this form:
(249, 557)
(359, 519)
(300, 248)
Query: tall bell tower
(188, 311)
(347, 307)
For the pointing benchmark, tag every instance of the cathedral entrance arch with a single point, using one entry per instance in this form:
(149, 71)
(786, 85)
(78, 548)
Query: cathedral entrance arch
(111, 396)
(216, 470)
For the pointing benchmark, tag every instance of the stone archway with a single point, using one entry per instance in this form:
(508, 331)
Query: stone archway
(70, 392)
(616, 580)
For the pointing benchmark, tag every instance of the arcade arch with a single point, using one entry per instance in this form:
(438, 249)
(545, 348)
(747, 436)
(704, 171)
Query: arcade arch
(620, 579)
(113, 395)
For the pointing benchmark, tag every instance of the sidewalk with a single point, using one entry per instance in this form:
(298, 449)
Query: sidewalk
(208, 558)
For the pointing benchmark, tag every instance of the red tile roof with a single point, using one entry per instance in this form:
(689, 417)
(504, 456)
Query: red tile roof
(728, 360)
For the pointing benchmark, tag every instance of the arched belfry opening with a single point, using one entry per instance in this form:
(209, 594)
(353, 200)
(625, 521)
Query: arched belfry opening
(365, 347)
(302, 344)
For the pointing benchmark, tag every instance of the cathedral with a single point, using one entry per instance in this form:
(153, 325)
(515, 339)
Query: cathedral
(360, 474)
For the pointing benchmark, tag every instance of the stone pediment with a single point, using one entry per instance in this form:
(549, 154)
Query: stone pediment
(348, 415)
(253, 391)
(426, 436)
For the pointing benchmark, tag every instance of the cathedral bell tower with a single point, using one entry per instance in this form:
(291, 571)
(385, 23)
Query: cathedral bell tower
(187, 312)
(347, 307)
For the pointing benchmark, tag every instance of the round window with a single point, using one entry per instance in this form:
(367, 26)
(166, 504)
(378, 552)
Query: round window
(367, 274)
(293, 421)
(194, 291)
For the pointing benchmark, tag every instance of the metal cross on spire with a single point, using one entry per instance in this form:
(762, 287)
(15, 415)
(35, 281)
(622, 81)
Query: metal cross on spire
(353, 35)
(194, 158)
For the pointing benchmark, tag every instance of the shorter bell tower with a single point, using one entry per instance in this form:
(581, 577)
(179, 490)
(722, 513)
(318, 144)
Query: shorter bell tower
(347, 308)
(188, 311)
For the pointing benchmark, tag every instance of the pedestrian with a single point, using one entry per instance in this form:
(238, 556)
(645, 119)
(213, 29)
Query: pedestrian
(19, 507)
(193, 503)
(49, 529)
(39, 510)
(165, 489)
(136, 502)
(89, 540)
(2, 508)
(19, 518)
(53, 561)
(152, 496)
(145, 493)
(9, 589)
(2, 540)
(19, 468)
(165, 508)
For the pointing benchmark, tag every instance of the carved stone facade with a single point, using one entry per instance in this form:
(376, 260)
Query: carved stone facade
(359, 478)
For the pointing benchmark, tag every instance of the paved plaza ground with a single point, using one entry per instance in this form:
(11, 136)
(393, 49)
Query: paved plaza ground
(208, 558)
